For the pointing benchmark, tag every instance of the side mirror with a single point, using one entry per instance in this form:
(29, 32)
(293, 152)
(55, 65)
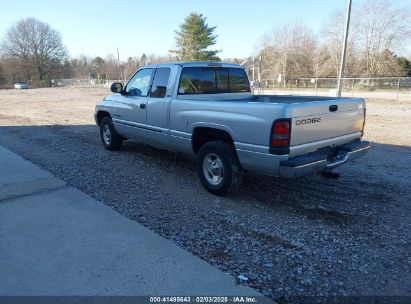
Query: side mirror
(116, 87)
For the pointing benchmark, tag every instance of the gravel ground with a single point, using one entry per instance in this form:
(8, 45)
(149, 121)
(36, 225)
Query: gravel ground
(304, 237)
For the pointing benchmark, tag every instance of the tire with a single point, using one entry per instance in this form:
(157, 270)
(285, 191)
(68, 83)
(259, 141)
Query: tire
(218, 167)
(109, 137)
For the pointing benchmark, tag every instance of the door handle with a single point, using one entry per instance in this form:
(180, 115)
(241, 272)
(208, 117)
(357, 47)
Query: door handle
(333, 108)
(142, 105)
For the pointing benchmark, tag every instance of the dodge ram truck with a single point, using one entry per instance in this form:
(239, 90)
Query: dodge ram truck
(207, 110)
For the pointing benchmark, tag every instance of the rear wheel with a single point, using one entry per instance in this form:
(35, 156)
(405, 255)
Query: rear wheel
(218, 167)
(111, 140)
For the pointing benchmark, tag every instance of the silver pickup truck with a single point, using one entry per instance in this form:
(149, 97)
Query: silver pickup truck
(206, 109)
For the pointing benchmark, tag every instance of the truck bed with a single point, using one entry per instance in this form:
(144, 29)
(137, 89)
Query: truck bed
(296, 99)
(279, 99)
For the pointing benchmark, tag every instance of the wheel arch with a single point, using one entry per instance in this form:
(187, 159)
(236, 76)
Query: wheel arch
(204, 134)
(100, 115)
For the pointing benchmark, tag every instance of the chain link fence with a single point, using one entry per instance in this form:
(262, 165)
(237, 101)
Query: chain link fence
(397, 88)
(83, 82)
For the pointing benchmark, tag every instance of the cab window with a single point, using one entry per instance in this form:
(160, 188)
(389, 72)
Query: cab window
(160, 82)
(139, 83)
(197, 81)
(238, 81)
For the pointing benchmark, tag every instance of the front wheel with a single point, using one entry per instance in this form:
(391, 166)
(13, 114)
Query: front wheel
(218, 167)
(110, 138)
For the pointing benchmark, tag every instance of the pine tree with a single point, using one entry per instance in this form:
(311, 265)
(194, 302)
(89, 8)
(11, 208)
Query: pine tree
(194, 38)
(405, 65)
(2, 80)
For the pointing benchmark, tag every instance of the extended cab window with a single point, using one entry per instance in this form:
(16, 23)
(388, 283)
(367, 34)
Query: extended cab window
(197, 81)
(238, 81)
(222, 79)
(160, 82)
(211, 80)
(139, 84)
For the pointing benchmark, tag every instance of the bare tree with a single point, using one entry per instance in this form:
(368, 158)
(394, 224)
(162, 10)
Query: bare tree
(288, 51)
(156, 59)
(36, 46)
(130, 66)
(13, 71)
(328, 56)
(112, 67)
(382, 28)
(2, 76)
(81, 66)
(377, 29)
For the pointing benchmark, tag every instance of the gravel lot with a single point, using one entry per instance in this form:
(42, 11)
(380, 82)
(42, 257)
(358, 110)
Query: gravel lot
(311, 236)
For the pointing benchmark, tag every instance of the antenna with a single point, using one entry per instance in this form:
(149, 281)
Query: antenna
(118, 64)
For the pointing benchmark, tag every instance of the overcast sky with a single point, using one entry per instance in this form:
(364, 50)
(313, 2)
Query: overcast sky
(97, 28)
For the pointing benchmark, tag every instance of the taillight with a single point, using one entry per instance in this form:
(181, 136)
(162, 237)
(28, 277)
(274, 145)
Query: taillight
(280, 133)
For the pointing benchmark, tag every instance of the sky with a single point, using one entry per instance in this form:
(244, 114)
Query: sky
(99, 27)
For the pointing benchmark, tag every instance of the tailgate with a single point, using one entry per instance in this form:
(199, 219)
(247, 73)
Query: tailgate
(325, 119)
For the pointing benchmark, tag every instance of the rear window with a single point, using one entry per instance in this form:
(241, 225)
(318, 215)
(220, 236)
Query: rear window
(239, 81)
(212, 80)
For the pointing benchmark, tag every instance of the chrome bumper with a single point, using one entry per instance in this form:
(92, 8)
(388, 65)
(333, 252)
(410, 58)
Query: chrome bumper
(323, 159)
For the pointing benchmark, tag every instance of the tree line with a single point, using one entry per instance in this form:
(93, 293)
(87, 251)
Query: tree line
(32, 51)
(378, 30)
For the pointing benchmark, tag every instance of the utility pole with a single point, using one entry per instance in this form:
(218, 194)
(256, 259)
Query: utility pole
(316, 79)
(253, 73)
(118, 64)
(253, 68)
(285, 70)
(344, 50)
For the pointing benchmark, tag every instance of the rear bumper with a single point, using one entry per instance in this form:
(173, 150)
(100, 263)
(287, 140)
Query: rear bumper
(323, 159)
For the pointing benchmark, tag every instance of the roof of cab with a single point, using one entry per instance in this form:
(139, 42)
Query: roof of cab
(197, 64)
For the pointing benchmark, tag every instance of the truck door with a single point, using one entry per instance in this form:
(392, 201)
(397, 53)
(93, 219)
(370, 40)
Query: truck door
(132, 118)
(157, 109)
